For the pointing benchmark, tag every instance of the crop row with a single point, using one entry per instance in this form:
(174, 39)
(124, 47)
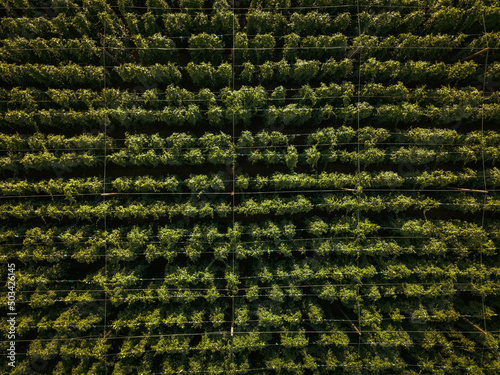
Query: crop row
(287, 282)
(271, 273)
(287, 116)
(207, 75)
(80, 21)
(215, 155)
(323, 146)
(271, 232)
(94, 209)
(210, 47)
(277, 181)
(366, 136)
(348, 294)
(246, 97)
(280, 238)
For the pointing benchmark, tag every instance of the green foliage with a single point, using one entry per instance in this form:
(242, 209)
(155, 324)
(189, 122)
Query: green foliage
(305, 71)
(311, 23)
(252, 246)
(262, 48)
(177, 24)
(148, 76)
(263, 22)
(155, 49)
(206, 48)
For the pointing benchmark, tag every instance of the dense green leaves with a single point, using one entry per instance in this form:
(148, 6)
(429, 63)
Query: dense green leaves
(283, 187)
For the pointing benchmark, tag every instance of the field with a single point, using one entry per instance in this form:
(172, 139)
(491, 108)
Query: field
(250, 187)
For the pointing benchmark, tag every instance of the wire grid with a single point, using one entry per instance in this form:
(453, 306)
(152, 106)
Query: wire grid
(233, 180)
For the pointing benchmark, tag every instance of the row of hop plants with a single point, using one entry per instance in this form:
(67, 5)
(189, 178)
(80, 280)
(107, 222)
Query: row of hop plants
(419, 146)
(216, 182)
(248, 97)
(273, 231)
(348, 285)
(454, 236)
(366, 137)
(437, 249)
(192, 207)
(217, 117)
(291, 157)
(79, 21)
(73, 76)
(206, 47)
